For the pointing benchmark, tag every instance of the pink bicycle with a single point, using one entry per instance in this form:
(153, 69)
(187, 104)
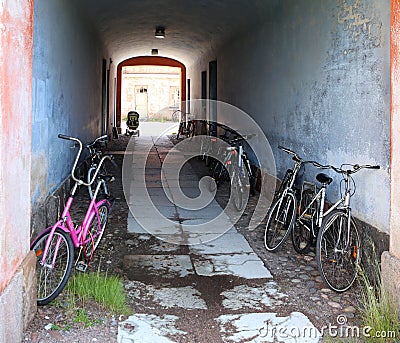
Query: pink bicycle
(55, 246)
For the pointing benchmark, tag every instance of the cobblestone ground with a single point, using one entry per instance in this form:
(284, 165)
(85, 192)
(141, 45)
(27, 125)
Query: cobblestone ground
(191, 316)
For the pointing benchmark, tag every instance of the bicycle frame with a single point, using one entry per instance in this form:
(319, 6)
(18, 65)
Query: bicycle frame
(292, 176)
(345, 200)
(78, 235)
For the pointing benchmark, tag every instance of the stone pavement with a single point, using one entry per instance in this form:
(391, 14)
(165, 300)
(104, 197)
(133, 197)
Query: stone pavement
(195, 278)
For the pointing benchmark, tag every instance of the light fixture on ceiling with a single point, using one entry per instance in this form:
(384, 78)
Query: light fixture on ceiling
(160, 32)
(154, 51)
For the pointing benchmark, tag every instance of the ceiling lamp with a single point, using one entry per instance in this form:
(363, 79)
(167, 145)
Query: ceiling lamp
(154, 51)
(160, 32)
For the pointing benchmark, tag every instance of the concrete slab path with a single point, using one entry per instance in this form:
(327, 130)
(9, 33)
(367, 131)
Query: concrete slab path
(210, 285)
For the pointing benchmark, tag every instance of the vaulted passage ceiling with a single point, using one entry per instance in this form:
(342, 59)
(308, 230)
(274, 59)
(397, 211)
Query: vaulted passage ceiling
(192, 27)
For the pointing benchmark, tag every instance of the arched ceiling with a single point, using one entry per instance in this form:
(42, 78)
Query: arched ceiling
(192, 27)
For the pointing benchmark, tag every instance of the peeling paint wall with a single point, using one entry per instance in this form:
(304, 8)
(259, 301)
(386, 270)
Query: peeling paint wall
(395, 130)
(315, 76)
(16, 33)
(15, 108)
(67, 66)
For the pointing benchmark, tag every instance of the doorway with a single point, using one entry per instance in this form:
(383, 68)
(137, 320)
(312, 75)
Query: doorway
(142, 96)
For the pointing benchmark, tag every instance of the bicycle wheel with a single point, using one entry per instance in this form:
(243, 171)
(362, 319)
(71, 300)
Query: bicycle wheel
(338, 261)
(302, 233)
(215, 172)
(237, 191)
(181, 130)
(92, 187)
(175, 116)
(95, 231)
(284, 183)
(280, 220)
(190, 129)
(51, 280)
(239, 188)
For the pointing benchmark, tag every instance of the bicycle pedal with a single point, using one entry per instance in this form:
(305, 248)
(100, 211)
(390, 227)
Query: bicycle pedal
(81, 266)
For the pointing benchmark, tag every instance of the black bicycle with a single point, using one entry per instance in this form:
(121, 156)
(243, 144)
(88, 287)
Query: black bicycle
(282, 213)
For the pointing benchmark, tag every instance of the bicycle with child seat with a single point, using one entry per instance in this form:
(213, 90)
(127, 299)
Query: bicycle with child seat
(55, 246)
(282, 213)
(96, 149)
(338, 250)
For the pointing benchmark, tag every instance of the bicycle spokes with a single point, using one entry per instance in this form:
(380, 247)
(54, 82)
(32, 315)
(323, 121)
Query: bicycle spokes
(339, 251)
(54, 268)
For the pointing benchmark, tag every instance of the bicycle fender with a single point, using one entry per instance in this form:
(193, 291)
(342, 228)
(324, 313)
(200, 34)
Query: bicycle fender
(51, 229)
(103, 201)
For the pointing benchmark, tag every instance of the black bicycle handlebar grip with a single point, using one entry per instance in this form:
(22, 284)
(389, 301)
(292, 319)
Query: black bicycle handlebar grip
(63, 136)
(286, 150)
(375, 167)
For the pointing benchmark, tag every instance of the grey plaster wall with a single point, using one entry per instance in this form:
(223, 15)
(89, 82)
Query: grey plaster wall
(315, 76)
(67, 65)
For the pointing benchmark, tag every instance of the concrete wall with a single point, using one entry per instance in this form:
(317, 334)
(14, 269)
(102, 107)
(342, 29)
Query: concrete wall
(15, 163)
(315, 76)
(67, 74)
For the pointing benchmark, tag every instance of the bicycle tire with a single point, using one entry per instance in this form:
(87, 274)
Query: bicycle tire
(92, 187)
(338, 266)
(180, 130)
(51, 281)
(237, 192)
(240, 187)
(190, 129)
(94, 235)
(284, 184)
(175, 116)
(280, 220)
(215, 174)
(302, 233)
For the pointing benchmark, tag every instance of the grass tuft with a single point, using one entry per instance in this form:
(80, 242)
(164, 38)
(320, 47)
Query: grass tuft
(379, 311)
(108, 291)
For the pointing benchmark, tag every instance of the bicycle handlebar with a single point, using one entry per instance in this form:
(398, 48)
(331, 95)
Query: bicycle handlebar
(355, 168)
(77, 159)
(318, 165)
(89, 145)
(298, 159)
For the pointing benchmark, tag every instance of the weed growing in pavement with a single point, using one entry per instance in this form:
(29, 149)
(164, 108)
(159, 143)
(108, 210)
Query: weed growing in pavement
(82, 317)
(379, 311)
(106, 290)
(55, 327)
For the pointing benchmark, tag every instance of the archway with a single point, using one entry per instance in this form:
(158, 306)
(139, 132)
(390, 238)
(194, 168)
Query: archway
(147, 60)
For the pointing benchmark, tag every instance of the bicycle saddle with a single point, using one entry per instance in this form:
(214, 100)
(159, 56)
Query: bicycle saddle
(323, 178)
